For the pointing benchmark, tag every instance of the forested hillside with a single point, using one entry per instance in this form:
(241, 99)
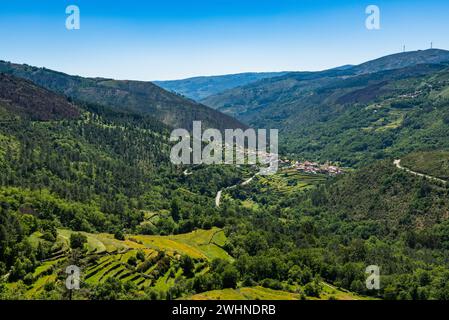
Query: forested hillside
(140, 97)
(380, 109)
(24, 98)
(378, 215)
(92, 185)
(103, 171)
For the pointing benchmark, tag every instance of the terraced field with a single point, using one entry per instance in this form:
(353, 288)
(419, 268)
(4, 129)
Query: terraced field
(149, 261)
(291, 181)
(105, 257)
(247, 293)
(260, 293)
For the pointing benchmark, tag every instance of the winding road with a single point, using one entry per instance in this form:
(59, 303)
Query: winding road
(218, 198)
(219, 193)
(397, 163)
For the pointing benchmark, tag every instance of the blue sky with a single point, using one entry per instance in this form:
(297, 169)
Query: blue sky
(172, 39)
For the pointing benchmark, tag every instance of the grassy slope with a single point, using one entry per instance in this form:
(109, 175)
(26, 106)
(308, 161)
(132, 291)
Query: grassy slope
(108, 257)
(434, 163)
(260, 293)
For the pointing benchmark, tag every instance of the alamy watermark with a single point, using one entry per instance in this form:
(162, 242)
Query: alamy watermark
(372, 22)
(73, 21)
(73, 280)
(373, 279)
(238, 147)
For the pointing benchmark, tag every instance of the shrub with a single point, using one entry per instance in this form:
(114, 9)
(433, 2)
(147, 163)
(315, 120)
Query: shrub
(140, 255)
(77, 240)
(313, 289)
(132, 261)
(230, 277)
(119, 235)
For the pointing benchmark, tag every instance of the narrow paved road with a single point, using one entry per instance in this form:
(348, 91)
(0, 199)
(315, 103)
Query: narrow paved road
(397, 163)
(219, 193)
(218, 198)
(247, 181)
(244, 183)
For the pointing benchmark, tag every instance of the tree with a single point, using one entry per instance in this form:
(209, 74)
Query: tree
(229, 277)
(132, 261)
(313, 289)
(295, 274)
(358, 286)
(77, 240)
(174, 210)
(140, 255)
(119, 235)
(188, 266)
(111, 289)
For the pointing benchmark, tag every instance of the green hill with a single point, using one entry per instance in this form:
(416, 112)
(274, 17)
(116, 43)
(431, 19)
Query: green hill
(91, 185)
(21, 97)
(432, 163)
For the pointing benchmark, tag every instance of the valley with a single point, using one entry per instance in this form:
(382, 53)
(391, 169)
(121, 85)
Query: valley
(86, 180)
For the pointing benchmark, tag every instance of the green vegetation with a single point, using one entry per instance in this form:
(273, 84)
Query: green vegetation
(144, 263)
(137, 96)
(381, 109)
(260, 293)
(97, 190)
(435, 164)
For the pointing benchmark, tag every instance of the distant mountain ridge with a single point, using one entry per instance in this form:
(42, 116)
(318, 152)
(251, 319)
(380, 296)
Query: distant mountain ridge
(402, 60)
(198, 88)
(247, 102)
(137, 96)
(236, 101)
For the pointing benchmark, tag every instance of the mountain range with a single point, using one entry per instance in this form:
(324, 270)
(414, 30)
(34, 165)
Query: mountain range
(199, 88)
(349, 114)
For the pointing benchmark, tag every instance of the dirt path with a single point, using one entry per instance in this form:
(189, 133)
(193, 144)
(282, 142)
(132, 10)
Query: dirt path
(397, 163)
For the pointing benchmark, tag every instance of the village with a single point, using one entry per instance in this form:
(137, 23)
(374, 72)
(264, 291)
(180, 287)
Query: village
(316, 168)
(301, 166)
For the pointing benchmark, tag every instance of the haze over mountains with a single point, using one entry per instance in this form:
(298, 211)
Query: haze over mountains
(198, 88)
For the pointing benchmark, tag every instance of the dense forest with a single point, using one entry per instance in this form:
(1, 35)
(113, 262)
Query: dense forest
(87, 184)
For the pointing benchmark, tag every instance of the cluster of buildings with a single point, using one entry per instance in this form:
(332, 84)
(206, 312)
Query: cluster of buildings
(274, 160)
(413, 95)
(315, 168)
